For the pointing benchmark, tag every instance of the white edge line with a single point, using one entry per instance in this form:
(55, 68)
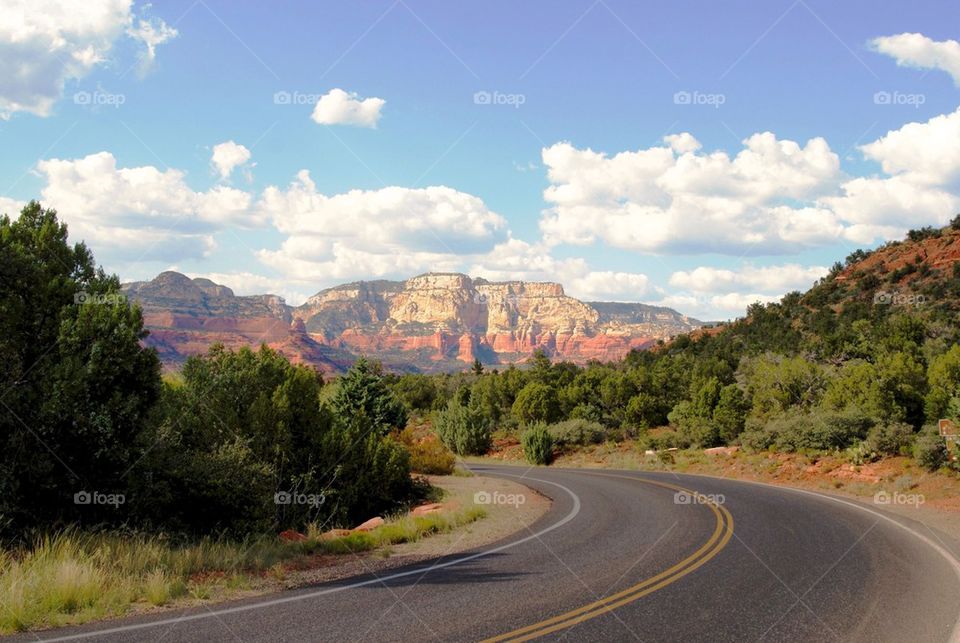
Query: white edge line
(340, 588)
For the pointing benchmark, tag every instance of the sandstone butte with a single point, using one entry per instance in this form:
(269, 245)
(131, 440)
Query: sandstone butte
(432, 322)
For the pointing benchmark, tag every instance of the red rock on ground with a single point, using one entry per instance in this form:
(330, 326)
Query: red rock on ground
(431, 508)
(373, 523)
(335, 533)
(291, 536)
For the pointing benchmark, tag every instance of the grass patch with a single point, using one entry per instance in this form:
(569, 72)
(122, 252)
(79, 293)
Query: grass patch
(74, 577)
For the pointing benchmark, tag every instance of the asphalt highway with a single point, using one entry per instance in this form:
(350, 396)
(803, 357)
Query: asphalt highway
(622, 556)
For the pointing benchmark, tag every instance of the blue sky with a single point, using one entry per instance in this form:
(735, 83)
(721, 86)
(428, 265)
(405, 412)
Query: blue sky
(788, 139)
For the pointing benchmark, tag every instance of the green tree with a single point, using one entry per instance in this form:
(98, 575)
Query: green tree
(363, 389)
(943, 376)
(537, 402)
(730, 413)
(76, 384)
(464, 429)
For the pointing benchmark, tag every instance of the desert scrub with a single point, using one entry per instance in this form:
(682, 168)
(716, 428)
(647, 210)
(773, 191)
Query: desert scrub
(537, 444)
(427, 455)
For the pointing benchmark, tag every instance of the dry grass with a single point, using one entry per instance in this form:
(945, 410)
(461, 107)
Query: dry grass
(73, 577)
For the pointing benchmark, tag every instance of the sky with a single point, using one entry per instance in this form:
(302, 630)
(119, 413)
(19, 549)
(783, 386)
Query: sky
(696, 155)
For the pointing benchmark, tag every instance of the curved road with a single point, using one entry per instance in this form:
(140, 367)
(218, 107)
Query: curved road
(620, 556)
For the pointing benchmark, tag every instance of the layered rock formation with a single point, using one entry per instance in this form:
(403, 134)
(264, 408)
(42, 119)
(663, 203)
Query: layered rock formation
(430, 322)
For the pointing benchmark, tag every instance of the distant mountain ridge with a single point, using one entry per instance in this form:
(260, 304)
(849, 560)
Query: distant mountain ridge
(431, 322)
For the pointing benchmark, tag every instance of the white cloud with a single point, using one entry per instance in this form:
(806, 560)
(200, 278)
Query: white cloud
(919, 51)
(45, 43)
(137, 209)
(391, 231)
(152, 33)
(922, 162)
(248, 283)
(771, 280)
(227, 157)
(10, 207)
(338, 107)
(674, 199)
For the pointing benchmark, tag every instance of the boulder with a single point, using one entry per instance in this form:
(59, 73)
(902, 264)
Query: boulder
(430, 508)
(291, 536)
(373, 523)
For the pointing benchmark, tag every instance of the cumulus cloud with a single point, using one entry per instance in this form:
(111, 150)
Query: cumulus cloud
(674, 199)
(394, 230)
(772, 280)
(248, 283)
(923, 167)
(45, 43)
(338, 107)
(10, 207)
(919, 51)
(136, 209)
(227, 157)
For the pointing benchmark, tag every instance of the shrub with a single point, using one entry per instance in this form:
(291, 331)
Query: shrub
(930, 451)
(463, 428)
(428, 455)
(576, 432)
(890, 439)
(537, 444)
(818, 431)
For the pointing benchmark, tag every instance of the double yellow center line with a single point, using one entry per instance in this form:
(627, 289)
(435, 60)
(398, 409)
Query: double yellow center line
(718, 540)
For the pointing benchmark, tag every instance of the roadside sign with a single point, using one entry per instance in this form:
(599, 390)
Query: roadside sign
(948, 430)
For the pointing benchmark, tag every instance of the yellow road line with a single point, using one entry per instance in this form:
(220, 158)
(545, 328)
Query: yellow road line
(718, 540)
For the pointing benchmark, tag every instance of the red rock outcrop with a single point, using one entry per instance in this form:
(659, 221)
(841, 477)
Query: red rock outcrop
(430, 322)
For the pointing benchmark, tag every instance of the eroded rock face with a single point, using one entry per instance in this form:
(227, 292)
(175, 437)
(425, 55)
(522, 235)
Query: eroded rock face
(430, 322)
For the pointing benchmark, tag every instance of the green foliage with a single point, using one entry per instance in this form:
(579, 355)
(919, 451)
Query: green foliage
(363, 390)
(76, 385)
(241, 427)
(930, 451)
(537, 444)
(416, 392)
(463, 428)
(428, 456)
(816, 431)
(729, 414)
(890, 439)
(776, 384)
(537, 402)
(943, 376)
(576, 432)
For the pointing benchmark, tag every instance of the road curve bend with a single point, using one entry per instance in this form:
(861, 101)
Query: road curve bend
(620, 556)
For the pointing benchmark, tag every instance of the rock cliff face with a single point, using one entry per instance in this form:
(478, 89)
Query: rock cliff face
(430, 322)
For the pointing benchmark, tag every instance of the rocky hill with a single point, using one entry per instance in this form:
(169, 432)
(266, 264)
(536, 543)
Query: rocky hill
(428, 323)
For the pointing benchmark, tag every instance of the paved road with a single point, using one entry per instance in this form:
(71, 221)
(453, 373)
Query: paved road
(620, 556)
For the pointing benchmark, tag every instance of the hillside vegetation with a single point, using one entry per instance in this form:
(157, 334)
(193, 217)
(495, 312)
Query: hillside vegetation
(865, 362)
